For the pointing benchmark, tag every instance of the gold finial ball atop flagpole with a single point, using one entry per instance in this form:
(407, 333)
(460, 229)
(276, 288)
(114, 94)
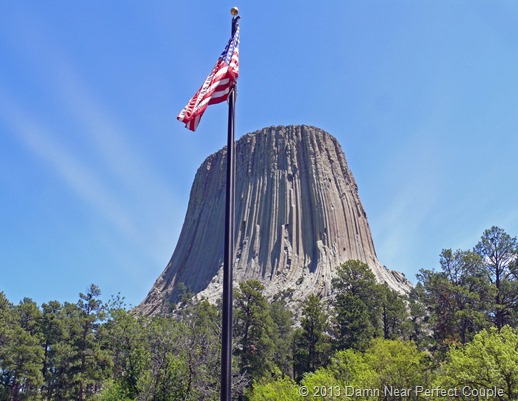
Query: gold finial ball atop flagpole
(234, 11)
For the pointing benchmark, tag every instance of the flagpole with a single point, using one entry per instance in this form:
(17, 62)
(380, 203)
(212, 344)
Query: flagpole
(226, 335)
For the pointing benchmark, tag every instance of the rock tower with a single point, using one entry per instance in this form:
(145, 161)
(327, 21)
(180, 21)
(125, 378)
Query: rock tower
(298, 216)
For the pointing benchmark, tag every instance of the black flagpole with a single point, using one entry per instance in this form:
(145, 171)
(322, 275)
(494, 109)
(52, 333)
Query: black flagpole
(226, 336)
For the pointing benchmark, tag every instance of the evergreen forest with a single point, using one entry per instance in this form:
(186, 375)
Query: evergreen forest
(453, 337)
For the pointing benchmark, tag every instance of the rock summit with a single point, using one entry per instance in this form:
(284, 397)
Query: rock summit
(298, 216)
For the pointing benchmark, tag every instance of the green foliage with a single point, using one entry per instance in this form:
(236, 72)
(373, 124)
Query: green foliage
(114, 391)
(203, 350)
(394, 314)
(322, 384)
(54, 353)
(89, 358)
(312, 345)
(59, 326)
(472, 291)
(417, 326)
(350, 368)
(385, 365)
(163, 358)
(253, 330)
(398, 365)
(456, 328)
(357, 306)
(20, 352)
(282, 336)
(489, 361)
(499, 252)
(128, 346)
(166, 376)
(283, 389)
(52, 328)
(458, 297)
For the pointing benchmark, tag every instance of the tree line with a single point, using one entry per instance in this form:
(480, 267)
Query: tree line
(455, 331)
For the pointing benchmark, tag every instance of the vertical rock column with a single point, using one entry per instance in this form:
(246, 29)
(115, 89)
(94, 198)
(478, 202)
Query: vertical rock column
(298, 216)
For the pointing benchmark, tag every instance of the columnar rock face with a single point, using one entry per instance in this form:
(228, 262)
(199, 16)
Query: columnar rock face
(298, 216)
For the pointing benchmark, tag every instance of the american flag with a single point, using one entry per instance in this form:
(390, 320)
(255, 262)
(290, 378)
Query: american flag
(217, 86)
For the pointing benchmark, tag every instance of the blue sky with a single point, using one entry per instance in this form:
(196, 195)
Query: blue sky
(95, 171)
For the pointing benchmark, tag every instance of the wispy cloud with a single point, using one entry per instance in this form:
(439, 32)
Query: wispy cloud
(410, 210)
(77, 175)
(403, 225)
(117, 180)
(109, 137)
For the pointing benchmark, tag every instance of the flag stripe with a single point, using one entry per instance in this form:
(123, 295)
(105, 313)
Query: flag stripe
(217, 85)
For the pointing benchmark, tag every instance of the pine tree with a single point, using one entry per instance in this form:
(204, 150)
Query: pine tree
(54, 330)
(21, 356)
(282, 336)
(394, 315)
(129, 351)
(418, 327)
(253, 330)
(312, 344)
(499, 252)
(357, 306)
(90, 362)
(166, 371)
(457, 297)
(202, 338)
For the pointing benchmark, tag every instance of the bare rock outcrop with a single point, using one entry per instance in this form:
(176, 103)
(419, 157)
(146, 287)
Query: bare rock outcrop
(298, 216)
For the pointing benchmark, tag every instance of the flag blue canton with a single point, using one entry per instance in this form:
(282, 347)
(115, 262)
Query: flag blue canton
(217, 85)
(226, 56)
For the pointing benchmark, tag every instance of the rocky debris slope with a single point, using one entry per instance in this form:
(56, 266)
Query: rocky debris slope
(298, 216)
